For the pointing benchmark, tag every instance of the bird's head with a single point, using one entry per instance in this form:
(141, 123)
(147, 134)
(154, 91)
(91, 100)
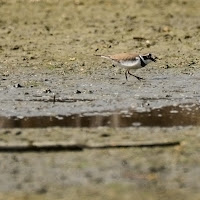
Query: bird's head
(148, 58)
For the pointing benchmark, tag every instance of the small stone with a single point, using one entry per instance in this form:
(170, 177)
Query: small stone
(105, 135)
(148, 43)
(167, 67)
(187, 37)
(18, 133)
(47, 28)
(47, 91)
(17, 85)
(78, 92)
(16, 47)
(72, 59)
(166, 29)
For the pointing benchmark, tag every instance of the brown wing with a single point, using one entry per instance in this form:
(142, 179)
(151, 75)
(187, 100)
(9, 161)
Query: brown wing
(123, 56)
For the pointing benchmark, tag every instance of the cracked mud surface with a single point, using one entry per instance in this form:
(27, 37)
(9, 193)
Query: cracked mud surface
(47, 51)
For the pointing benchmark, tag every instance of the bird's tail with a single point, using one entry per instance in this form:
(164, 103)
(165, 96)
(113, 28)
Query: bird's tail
(107, 57)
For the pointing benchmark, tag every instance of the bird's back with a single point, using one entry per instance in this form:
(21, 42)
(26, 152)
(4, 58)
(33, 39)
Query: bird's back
(123, 56)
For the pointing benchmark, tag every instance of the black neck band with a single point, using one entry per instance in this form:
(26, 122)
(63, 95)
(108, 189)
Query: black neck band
(142, 62)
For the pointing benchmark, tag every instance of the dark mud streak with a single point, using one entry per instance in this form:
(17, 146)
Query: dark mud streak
(80, 147)
(147, 145)
(39, 149)
(163, 117)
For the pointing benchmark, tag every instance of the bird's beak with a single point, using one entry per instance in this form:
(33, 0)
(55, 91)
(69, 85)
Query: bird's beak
(153, 59)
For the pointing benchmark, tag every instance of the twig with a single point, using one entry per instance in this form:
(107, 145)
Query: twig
(54, 99)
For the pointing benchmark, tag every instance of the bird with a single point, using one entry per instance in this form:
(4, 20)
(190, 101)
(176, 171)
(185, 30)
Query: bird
(130, 61)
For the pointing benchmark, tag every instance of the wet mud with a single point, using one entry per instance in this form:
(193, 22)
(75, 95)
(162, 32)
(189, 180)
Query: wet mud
(50, 81)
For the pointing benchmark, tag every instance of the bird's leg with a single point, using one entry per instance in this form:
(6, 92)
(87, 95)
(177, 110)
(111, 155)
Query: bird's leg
(126, 75)
(138, 78)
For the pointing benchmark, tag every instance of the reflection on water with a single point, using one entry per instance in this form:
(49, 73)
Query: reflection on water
(182, 115)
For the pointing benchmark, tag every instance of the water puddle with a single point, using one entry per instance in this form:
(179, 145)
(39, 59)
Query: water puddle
(182, 115)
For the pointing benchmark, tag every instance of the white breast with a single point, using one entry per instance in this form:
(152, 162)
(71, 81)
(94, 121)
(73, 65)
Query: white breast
(131, 64)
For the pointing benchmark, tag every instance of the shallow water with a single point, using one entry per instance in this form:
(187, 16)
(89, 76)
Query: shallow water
(181, 115)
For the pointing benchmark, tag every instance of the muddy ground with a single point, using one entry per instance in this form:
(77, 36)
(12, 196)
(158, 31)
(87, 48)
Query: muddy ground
(47, 53)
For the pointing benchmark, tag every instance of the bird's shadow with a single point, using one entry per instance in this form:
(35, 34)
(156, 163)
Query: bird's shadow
(158, 78)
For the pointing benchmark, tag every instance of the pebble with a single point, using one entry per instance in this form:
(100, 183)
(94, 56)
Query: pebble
(78, 92)
(17, 85)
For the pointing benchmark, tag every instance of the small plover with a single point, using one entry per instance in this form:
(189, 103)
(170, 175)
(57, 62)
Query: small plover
(130, 61)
